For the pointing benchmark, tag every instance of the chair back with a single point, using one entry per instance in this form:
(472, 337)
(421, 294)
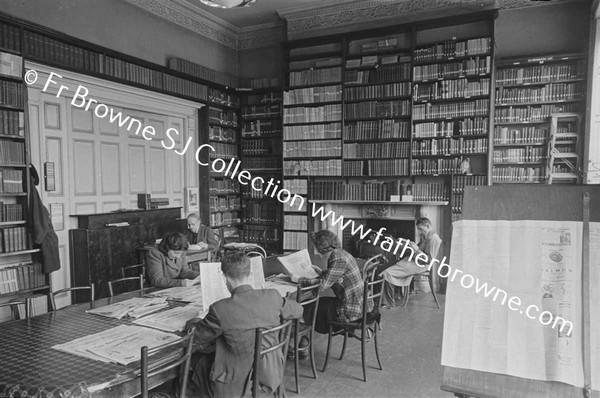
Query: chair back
(256, 253)
(120, 281)
(164, 358)
(71, 289)
(133, 270)
(309, 296)
(283, 337)
(20, 307)
(371, 265)
(372, 290)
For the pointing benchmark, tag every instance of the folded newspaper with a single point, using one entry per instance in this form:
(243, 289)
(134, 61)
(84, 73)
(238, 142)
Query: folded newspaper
(133, 308)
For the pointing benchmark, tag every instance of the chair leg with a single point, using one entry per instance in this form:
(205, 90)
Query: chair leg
(377, 350)
(430, 279)
(311, 352)
(406, 294)
(344, 345)
(362, 355)
(328, 349)
(296, 364)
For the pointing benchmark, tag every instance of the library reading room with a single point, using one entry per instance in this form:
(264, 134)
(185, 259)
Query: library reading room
(300, 198)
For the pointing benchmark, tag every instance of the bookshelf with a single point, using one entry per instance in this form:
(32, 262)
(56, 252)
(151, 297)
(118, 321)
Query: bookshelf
(261, 156)
(17, 276)
(528, 91)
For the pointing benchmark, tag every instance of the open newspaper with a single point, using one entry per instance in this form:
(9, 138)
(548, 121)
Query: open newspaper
(173, 320)
(299, 264)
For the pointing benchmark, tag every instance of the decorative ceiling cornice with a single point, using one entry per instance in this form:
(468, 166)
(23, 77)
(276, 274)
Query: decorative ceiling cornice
(259, 36)
(336, 15)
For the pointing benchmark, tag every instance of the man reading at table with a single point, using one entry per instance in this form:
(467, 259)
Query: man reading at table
(198, 235)
(229, 328)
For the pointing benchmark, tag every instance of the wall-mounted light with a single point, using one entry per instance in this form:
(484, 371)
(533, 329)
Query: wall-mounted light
(228, 3)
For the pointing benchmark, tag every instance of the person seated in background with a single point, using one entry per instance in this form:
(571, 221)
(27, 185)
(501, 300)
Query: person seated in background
(343, 276)
(198, 235)
(401, 273)
(166, 266)
(223, 370)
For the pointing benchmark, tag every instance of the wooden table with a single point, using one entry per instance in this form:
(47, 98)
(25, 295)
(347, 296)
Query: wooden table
(30, 367)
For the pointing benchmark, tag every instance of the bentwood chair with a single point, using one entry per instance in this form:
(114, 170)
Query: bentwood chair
(166, 358)
(269, 341)
(20, 309)
(71, 289)
(308, 298)
(367, 324)
(125, 281)
(429, 277)
(133, 270)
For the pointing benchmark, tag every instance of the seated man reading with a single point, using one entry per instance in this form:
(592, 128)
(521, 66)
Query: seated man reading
(401, 273)
(229, 329)
(199, 236)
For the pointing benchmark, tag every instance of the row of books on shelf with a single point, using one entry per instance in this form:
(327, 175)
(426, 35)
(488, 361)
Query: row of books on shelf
(258, 111)
(296, 206)
(430, 192)
(468, 68)
(315, 76)
(223, 98)
(248, 192)
(461, 181)
(179, 85)
(549, 92)
(295, 222)
(263, 212)
(453, 48)
(12, 122)
(254, 234)
(11, 65)
(531, 113)
(521, 135)
(258, 83)
(224, 134)
(449, 146)
(376, 167)
(519, 155)
(435, 166)
(325, 113)
(297, 186)
(11, 212)
(518, 174)
(294, 241)
(457, 203)
(373, 60)
(451, 89)
(222, 187)
(337, 190)
(258, 147)
(313, 132)
(223, 116)
(377, 91)
(219, 203)
(314, 149)
(311, 95)
(38, 305)
(478, 107)
(202, 72)
(121, 69)
(13, 239)
(48, 49)
(224, 218)
(12, 93)
(384, 73)
(11, 181)
(377, 130)
(375, 44)
(330, 167)
(314, 63)
(22, 276)
(377, 150)
(257, 128)
(370, 109)
(540, 73)
(224, 151)
(471, 126)
(10, 37)
(273, 163)
(271, 98)
(12, 152)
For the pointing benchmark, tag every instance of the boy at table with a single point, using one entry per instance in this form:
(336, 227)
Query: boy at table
(228, 329)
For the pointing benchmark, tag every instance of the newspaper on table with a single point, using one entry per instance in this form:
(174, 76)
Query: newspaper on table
(282, 287)
(173, 320)
(190, 294)
(299, 264)
(133, 308)
(120, 344)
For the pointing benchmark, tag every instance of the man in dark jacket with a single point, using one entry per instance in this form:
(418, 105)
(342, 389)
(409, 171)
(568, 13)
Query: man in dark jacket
(229, 328)
(199, 234)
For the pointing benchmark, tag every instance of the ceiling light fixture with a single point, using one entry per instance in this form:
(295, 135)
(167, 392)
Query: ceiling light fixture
(228, 3)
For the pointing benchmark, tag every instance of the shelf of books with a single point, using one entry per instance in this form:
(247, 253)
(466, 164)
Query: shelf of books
(24, 276)
(528, 92)
(261, 156)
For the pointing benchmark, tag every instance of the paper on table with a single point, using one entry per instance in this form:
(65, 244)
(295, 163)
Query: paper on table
(173, 320)
(213, 284)
(257, 275)
(132, 307)
(540, 263)
(120, 344)
(191, 294)
(282, 288)
(299, 264)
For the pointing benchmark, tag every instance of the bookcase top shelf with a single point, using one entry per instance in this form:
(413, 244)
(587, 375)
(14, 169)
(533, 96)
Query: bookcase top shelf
(414, 203)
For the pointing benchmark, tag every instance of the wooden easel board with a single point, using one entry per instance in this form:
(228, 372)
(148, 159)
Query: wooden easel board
(521, 202)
